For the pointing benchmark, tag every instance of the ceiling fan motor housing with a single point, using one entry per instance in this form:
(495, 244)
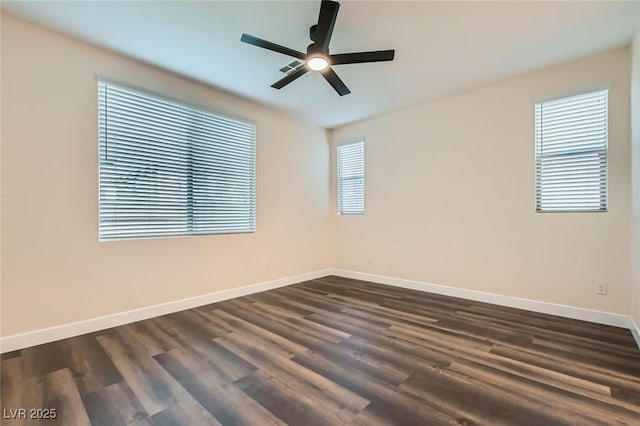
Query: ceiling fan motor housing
(312, 32)
(313, 49)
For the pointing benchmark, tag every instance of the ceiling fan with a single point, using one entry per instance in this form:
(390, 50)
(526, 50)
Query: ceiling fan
(318, 57)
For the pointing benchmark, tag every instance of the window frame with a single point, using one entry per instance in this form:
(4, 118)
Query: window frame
(193, 108)
(541, 100)
(364, 177)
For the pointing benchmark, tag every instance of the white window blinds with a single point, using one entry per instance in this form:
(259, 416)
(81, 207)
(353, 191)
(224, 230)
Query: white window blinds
(350, 167)
(171, 169)
(571, 153)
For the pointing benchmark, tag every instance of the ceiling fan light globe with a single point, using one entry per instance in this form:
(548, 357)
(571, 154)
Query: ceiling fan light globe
(317, 63)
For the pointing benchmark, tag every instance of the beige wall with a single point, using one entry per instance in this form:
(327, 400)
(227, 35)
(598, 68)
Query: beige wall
(450, 195)
(635, 178)
(54, 270)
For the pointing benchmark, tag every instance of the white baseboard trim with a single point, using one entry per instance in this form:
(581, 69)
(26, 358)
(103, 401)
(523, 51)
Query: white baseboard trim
(635, 330)
(46, 335)
(566, 311)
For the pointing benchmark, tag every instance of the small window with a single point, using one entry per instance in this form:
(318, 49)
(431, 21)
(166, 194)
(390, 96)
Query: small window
(170, 169)
(571, 154)
(350, 166)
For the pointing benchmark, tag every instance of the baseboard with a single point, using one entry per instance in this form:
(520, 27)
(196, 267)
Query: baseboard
(46, 335)
(635, 330)
(566, 311)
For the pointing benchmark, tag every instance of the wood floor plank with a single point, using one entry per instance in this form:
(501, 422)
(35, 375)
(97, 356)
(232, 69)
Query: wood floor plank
(154, 335)
(626, 356)
(200, 325)
(63, 395)
(302, 333)
(185, 413)
(590, 411)
(408, 409)
(399, 353)
(91, 367)
(541, 333)
(471, 403)
(554, 378)
(334, 351)
(153, 386)
(298, 377)
(53, 400)
(301, 324)
(280, 344)
(43, 359)
(498, 386)
(290, 404)
(115, 405)
(226, 365)
(367, 417)
(11, 389)
(227, 404)
(591, 369)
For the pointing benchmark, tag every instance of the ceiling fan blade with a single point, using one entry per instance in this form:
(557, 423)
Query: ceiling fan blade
(335, 82)
(361, 57)
(288, 79)
(326, 21)
(249, 39)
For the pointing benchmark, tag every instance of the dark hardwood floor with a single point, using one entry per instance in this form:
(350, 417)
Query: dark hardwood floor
(334, 351)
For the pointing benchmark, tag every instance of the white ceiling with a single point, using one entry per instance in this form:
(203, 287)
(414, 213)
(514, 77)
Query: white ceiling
(441, 47)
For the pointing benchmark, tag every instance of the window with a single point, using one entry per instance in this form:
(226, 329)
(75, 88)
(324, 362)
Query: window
(351, 178)
(571, 154)
(169, 169)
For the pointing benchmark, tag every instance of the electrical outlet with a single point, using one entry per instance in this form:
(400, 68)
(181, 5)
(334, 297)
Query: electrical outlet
(392, 265)
(370, 261)
(602, 288)
(267, 266)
